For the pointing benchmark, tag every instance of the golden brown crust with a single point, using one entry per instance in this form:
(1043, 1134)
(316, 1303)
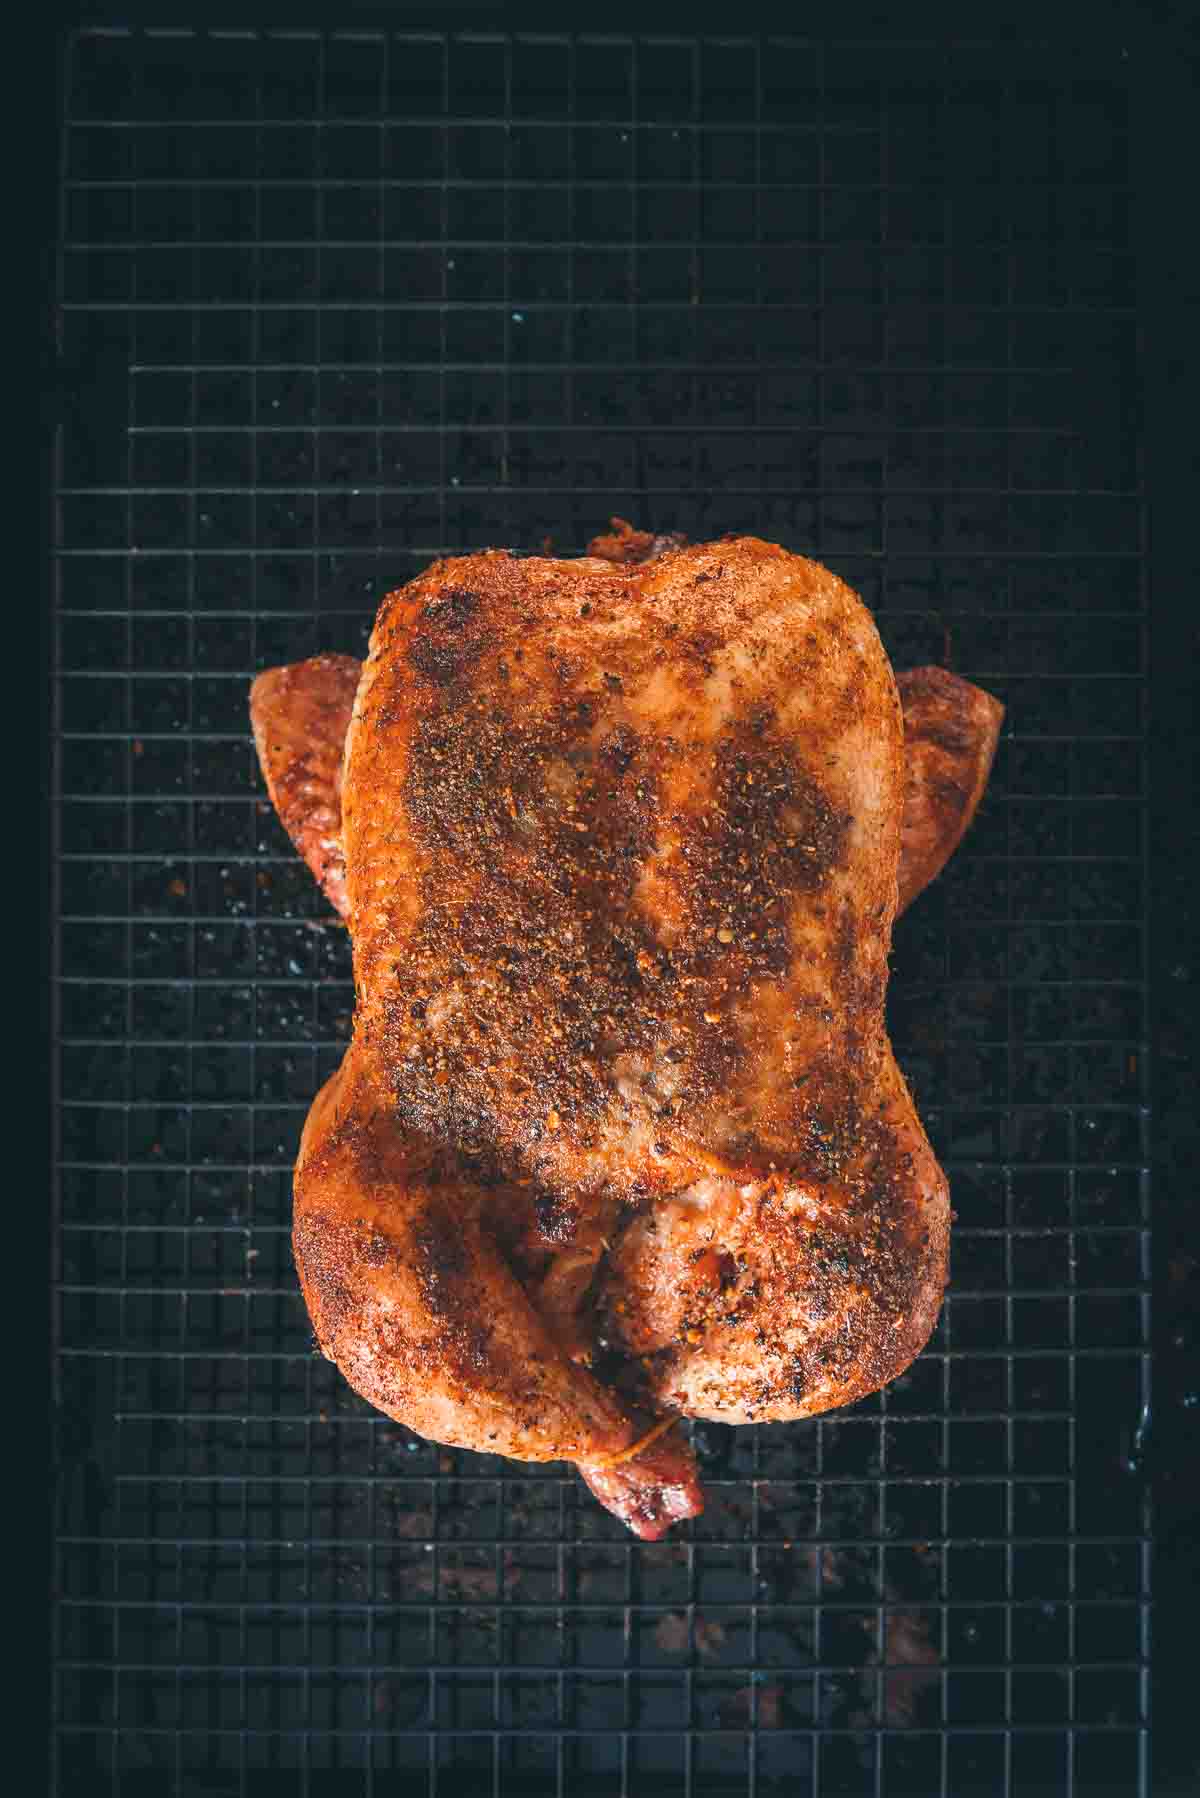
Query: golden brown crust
(300, 715)
(951, 730)
(620, 1133)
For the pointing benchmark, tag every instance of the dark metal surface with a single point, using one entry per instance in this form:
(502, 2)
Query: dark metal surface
(331, 305)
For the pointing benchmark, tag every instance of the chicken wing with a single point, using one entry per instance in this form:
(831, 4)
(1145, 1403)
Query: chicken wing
(951, 730)
(300, 715)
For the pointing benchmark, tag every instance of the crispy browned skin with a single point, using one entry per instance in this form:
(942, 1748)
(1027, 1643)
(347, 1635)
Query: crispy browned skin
(951, 729)
(300, 715)
(622, 847)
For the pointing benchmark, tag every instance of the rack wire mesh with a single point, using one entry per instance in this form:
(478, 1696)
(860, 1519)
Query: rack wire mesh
(332, 303)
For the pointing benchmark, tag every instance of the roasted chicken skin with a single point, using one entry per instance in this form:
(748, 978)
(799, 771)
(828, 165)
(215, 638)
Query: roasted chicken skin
(619, 1136)
(951, 730)
(300, 715)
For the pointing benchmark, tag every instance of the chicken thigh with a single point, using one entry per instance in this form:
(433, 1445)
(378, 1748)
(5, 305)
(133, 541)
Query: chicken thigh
(619, 1136)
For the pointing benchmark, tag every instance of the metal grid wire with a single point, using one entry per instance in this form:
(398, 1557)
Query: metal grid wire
(332, 304)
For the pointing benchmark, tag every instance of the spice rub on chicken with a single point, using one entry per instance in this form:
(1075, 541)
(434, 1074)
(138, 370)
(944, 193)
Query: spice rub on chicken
(619, 1137)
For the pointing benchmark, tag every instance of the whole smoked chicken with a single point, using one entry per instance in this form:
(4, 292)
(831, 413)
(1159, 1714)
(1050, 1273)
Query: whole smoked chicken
(619, 1137)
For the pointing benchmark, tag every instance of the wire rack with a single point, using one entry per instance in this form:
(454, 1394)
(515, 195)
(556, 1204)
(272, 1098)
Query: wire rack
(331, 304)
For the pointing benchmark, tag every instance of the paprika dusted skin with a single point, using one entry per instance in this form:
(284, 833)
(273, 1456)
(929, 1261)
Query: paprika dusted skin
(619, 1137)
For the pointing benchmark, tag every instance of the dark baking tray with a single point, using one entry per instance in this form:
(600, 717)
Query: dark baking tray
(330, 303)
